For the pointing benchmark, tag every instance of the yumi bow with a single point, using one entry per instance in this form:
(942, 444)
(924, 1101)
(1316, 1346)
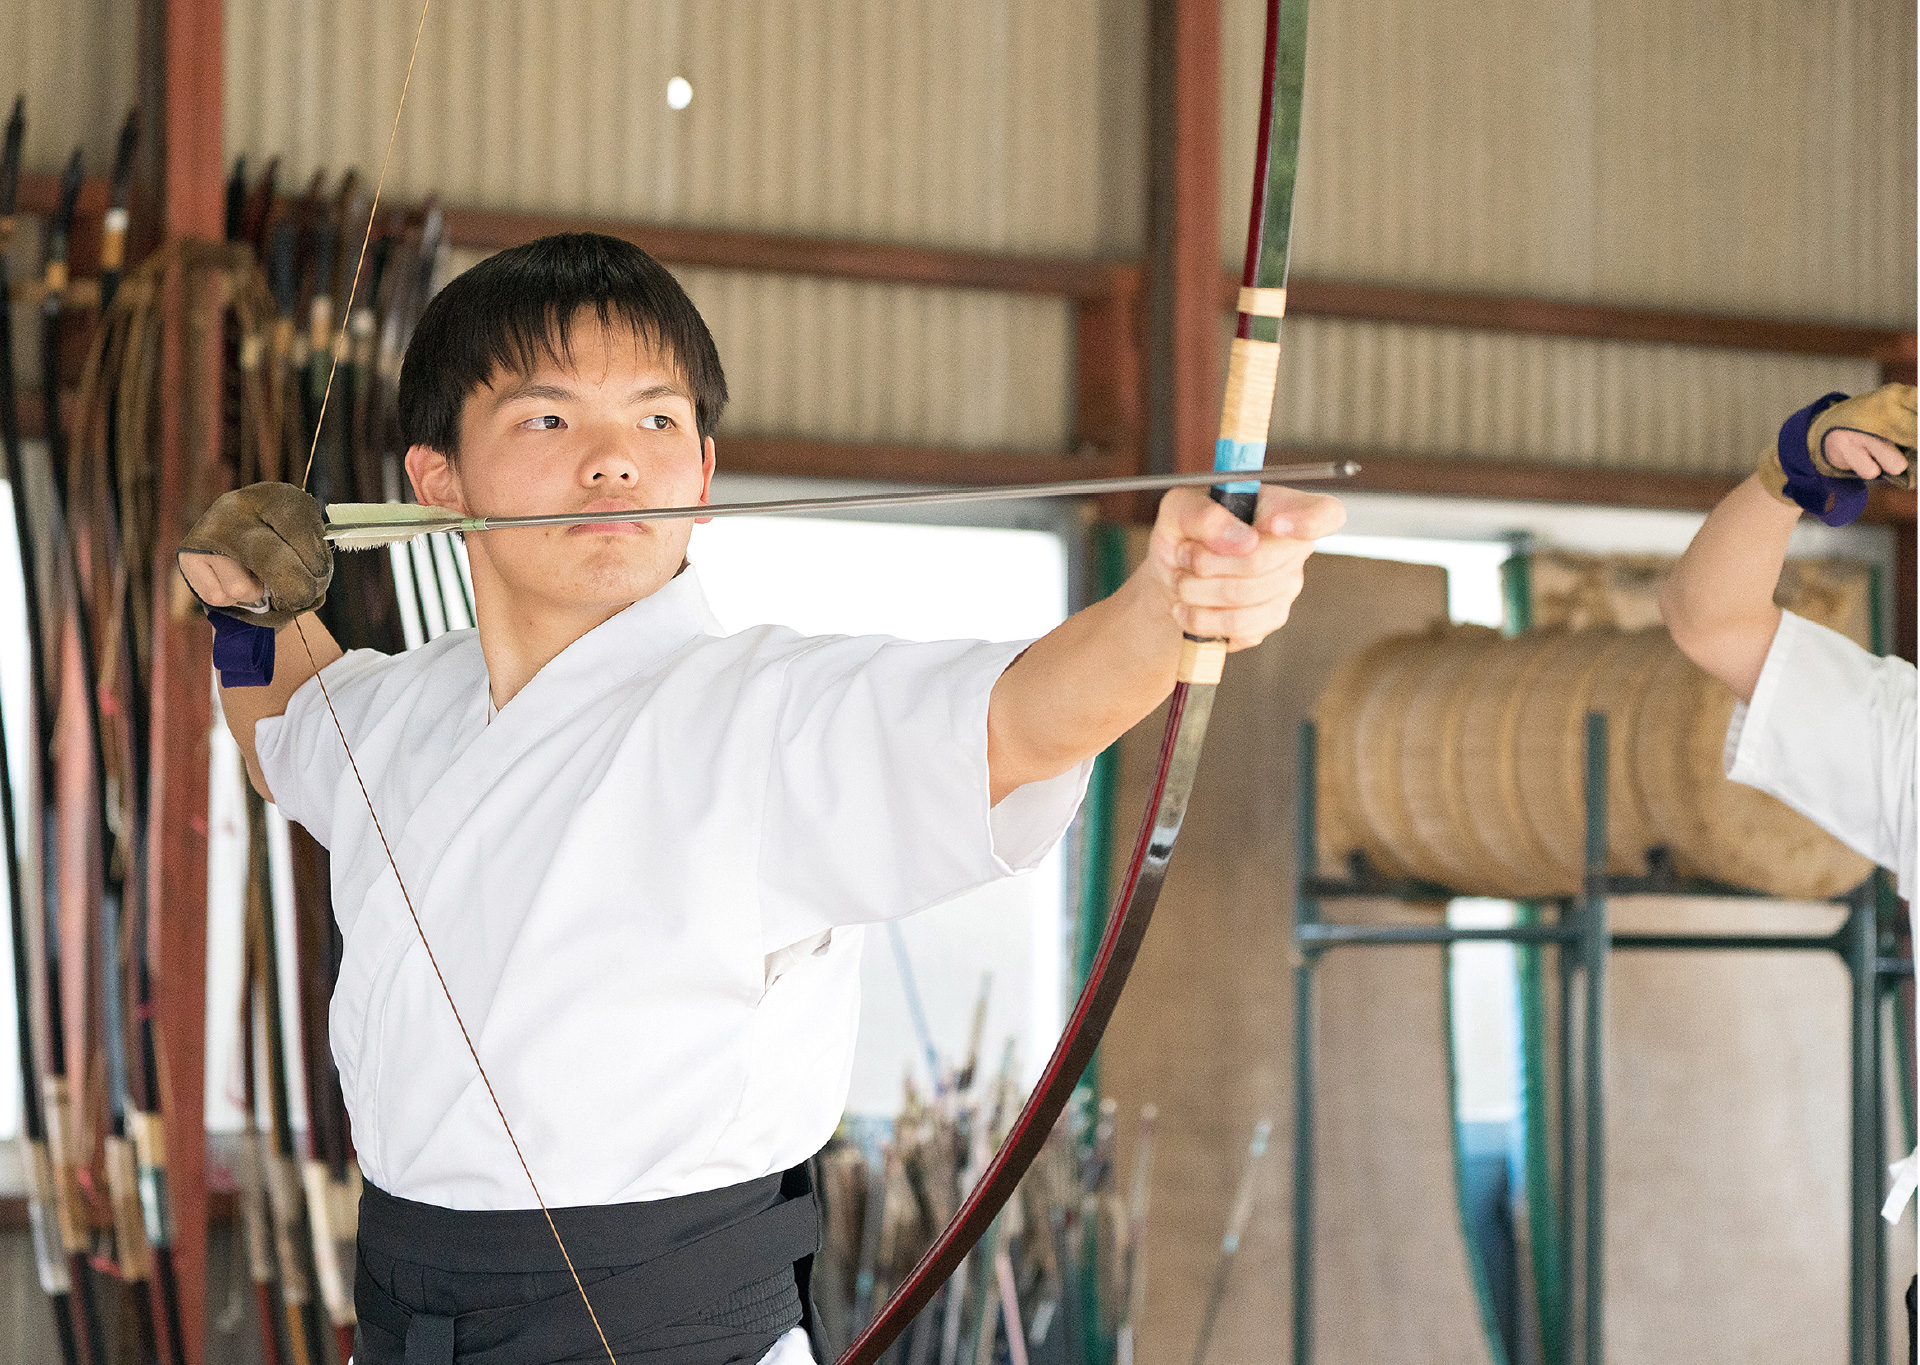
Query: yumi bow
(1240, 453)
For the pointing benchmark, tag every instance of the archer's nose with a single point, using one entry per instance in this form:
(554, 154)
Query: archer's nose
(610, 465)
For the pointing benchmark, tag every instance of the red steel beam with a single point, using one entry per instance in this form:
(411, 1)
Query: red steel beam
(183, 55)
(1192, 254)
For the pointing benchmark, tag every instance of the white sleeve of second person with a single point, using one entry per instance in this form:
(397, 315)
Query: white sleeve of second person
(1830, 731)
(878, 802)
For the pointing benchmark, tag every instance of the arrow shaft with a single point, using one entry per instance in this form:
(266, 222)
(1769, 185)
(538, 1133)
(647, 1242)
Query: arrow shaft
(1303, 473)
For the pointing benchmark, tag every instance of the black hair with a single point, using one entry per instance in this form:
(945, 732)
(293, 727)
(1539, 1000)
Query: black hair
(517, 308)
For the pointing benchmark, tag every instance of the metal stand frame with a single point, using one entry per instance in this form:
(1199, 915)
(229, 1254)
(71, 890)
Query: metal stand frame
(1581, 932)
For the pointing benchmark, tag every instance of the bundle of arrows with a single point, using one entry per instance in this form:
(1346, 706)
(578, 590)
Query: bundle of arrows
(1059, 1278)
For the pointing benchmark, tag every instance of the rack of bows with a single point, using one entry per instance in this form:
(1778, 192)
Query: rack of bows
(98, 489)
(77, 845)
(298, 1191)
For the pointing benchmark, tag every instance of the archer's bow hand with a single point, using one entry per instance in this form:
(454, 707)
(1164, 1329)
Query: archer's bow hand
(1228, 580)
(1831, 449)
(1870, 436)
(259, 555)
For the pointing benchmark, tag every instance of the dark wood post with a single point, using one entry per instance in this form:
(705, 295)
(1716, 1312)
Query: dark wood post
(1185, 332)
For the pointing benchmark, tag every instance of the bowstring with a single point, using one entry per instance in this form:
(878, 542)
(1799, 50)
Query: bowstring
(353, 287)
(386, 847)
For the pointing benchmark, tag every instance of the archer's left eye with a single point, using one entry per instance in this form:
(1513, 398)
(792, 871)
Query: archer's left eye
(548, 422)
(659, 421)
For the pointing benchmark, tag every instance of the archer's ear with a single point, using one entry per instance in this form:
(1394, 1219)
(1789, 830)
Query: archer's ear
(707, 466)
(436, 482)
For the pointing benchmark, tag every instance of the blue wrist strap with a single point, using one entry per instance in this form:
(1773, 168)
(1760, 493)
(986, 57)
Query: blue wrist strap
(242, 651)
(1835, 500)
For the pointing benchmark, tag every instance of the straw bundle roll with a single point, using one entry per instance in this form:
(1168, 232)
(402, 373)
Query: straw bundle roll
(1460, 758)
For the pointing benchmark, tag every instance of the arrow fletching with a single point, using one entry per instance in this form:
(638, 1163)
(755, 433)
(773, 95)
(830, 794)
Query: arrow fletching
(369, 525)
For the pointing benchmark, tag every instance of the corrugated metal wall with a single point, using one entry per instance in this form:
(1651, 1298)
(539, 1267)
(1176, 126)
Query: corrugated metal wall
(990, 125)
(961, 123)
(838, 360)
(1741, 156)
(1727, 156)
(1489, 395)
(75, 61)
(1738, 156)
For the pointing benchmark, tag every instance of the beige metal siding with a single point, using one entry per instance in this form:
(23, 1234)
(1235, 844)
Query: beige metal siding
(1485, 395)
(964, 123)
(835, 360)
(990, 125)
(1742, 156)
(76, 62)
(1723, 157)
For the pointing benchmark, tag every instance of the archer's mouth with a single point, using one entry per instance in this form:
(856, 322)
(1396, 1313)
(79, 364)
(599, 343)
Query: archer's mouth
(610, 528)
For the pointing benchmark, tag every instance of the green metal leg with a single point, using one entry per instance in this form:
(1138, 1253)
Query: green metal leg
(1303, 1161)
(1567, 957)
(1594, 1035)
(1305, 911)
(1862, 942)
(1877, 1107)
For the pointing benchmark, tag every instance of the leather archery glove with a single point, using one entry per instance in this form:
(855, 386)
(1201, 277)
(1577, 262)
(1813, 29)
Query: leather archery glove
(1797, 468)
(274, 532)
(1887, 412)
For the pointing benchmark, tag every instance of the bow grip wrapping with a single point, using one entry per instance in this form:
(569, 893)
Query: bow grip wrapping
(1253, 375)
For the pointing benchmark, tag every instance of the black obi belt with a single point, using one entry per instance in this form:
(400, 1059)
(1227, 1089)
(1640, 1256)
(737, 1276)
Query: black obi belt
(701, 1279)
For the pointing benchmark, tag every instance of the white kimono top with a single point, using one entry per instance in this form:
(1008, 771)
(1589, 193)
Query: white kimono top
(1830, 731)
(643, 881)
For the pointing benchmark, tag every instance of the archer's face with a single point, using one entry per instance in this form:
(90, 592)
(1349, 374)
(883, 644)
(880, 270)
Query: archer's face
(612, 429)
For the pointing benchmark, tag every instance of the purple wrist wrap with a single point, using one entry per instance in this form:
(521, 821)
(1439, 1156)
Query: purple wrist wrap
(1835, 500)
(243, 652)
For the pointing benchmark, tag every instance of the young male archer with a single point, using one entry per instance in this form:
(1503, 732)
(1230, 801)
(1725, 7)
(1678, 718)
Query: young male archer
(641, 849)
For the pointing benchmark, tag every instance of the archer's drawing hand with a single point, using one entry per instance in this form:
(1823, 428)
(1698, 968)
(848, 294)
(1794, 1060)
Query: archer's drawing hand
(1864, 436)
(259, 555)
(1228, 580)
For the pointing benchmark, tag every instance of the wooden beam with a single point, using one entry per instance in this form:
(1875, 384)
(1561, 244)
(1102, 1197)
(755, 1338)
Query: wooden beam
(182, 189)
(1585, 321)
(193, 178)
(181, 719)
(1186, 171)
(798, 458)
(877, 262)
(1109, 383)
(1100, 281)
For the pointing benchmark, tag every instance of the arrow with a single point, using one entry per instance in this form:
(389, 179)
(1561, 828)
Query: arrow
(369, 525)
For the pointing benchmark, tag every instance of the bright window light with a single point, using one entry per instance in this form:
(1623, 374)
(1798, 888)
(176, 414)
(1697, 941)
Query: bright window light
(679, 93)
(1473, 569)
(920, 583)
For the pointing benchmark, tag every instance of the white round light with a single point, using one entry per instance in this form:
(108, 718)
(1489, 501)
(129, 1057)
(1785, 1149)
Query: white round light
(679, 93)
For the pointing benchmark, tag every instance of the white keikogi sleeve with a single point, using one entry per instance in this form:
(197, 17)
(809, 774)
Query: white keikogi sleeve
(300, 751)
(1830, 731)
(877, 800)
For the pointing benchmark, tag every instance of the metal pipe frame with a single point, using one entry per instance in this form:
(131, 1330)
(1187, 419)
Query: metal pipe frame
(1582, 933)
